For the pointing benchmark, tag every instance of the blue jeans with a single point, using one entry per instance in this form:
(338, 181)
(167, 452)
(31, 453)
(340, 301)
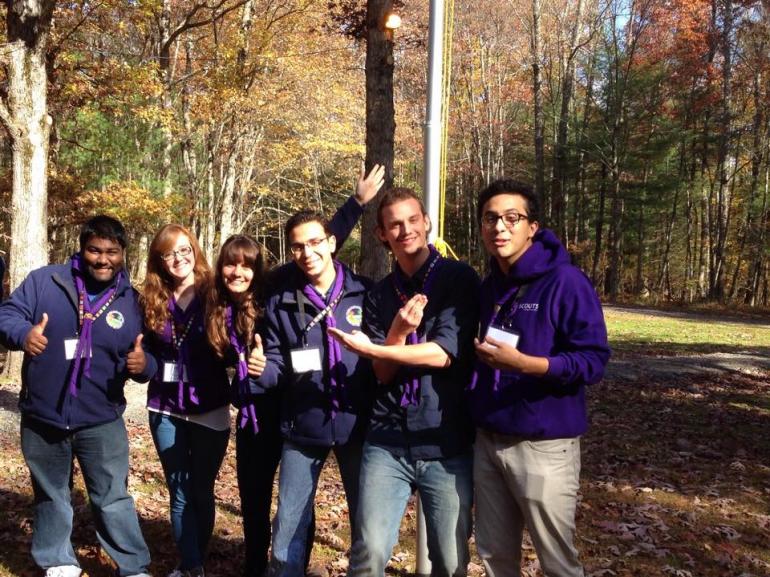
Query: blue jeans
(446, 492)
(300, 469)
(191, 455)
(102, 452)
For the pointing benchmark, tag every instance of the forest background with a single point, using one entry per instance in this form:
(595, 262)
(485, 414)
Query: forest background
(643, 125)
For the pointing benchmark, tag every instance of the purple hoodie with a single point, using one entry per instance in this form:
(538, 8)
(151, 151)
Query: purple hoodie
(557, 315)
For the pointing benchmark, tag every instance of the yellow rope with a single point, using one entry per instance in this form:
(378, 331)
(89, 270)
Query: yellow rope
(446, 77)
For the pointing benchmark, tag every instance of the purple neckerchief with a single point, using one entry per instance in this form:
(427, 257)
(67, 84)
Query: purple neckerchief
(411, 394)
(248, 410)
(176, 331)
(500, 291)
(88, 312)
(334, 351)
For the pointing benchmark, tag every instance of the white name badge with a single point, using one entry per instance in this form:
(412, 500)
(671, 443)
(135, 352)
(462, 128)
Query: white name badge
(509, 338)
(306, 360)
(171, 373)
(69, 349)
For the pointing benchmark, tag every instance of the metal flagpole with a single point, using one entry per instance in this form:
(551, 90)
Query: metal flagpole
(432, 134)
(432, 169)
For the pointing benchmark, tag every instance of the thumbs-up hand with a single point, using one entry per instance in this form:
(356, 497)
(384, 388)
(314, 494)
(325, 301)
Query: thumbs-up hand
(257, 359)
(35, 342)
(136, 361)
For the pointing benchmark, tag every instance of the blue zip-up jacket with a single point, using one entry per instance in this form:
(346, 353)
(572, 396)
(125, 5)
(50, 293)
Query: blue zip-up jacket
(558, 316)
(45, 377)
(306, 403)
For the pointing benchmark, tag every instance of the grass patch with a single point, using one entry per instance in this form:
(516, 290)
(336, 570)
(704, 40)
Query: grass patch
(671, 333)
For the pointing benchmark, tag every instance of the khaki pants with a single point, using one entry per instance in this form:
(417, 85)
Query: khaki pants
(532, 484)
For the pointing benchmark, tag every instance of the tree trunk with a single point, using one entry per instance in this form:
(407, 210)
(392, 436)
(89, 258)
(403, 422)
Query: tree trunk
(722, 209)
(559, 181)
(380, 130)
(538, 105)
(24, 116)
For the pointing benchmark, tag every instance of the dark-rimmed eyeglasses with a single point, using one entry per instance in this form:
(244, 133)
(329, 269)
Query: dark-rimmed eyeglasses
(298, 248)
(182, 251)
(510, 219)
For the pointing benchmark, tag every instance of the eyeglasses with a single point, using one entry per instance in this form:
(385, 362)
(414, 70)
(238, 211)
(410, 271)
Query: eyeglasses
(510, 219)
(172, 254)
(298, 248)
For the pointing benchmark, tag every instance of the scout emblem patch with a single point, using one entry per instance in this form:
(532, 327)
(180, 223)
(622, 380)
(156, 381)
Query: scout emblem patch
(353, 315)
(115, 319)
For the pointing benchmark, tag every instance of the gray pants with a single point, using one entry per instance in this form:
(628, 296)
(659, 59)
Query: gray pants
(532, 484)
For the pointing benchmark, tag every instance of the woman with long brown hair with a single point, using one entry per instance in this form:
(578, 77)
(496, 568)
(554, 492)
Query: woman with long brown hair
(234, 308)
(188, 399)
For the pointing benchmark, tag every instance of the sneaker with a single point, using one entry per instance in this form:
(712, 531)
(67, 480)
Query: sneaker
(176, 573)
(63, 571)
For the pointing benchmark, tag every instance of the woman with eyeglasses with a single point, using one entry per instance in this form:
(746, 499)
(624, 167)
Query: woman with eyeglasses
(188, 398)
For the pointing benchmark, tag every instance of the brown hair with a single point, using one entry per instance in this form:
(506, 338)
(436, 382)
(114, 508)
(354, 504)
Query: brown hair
(246, 308)
(395, 195)
(159, 285)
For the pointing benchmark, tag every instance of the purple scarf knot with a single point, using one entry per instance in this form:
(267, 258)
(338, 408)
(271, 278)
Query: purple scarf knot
(411, 394)
(88, 312)
(337, 371)
(248, 412)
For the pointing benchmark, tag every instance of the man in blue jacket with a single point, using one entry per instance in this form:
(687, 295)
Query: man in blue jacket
(544, 341)
(327, 390)
(419, 324)
(80, 327)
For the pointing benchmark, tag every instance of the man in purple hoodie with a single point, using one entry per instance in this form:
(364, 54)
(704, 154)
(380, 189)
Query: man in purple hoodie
(544, 341)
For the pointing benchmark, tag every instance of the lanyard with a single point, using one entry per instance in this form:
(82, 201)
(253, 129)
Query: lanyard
(177, 321)
(502, 311)
(84, 305)
(427, 280)
(178, 341)
(328, 309)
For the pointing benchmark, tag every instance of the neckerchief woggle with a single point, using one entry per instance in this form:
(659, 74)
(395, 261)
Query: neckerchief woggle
(333, 349)
(411, 394)
(88, 312)
(181, 319)
(248, 411)
(503, 298)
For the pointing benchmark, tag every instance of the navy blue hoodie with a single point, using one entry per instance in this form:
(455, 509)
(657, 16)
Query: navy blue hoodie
(558, 316)
(306, 416)
(45, 377)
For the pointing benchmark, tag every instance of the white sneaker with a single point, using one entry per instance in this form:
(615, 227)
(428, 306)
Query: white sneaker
(176, 573)
(63, 571)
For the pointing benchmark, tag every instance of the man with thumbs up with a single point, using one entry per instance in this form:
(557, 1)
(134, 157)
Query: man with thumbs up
(326, 390)
(80, 327)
